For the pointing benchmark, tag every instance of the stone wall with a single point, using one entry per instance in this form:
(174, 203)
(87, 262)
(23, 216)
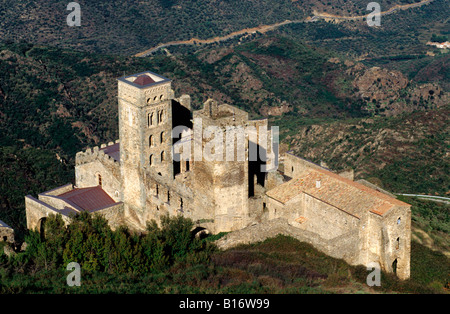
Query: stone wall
(93, 166)
(320, 216)
(6, 233)
(345, 246)
(37, 210)
(113, 214)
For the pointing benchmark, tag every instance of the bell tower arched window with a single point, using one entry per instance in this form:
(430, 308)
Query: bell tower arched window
(150, 141)
(150, 119)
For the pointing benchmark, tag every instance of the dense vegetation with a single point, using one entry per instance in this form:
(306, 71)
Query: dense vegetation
(129, 27)
(169, 259)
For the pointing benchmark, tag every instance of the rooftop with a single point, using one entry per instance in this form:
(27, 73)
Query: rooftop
(3, 225)
(88, 199)
(345, 194)
(144, 79)
(113, 151)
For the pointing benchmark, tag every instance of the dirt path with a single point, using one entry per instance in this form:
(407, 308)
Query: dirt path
(360, 17)
(266, 28)
(193, 41)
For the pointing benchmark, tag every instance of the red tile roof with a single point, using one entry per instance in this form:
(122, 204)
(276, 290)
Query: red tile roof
(88, 199)
(143, 80)
(343, 193)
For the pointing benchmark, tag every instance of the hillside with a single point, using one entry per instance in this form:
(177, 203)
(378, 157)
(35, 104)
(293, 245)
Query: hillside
(130, 27)
(158, 262)
(405, 154)
(57, 102)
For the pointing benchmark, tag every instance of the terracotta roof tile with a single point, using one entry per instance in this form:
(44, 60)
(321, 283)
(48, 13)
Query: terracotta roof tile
(88, 199)
(343, 193)
(143, 80)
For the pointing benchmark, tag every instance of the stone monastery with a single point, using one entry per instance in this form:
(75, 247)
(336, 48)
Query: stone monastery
(140, 177)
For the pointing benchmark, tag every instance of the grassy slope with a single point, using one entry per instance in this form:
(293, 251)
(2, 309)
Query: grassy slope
(277, 265)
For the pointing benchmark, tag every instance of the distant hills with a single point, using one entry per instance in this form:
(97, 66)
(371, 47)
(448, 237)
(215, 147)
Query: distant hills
(129, 27)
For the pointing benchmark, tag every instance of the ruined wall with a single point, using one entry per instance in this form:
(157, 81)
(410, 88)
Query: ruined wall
(6, 233)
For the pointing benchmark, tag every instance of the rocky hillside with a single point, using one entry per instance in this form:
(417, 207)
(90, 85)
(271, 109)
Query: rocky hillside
(406, 154)
(390, 92)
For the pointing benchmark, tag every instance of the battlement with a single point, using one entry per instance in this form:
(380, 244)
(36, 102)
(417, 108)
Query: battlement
(214, 113)
(106, 153)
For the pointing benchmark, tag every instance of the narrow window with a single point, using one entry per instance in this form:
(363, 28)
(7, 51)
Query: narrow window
(399, 220)
(150, 160)
(181, 203)
(168, 196)
(157, 189)
(161, 114)
(100, 179)
(397, 244)
(161, 137)
(150, 119)
(162, 156)
(150, 141)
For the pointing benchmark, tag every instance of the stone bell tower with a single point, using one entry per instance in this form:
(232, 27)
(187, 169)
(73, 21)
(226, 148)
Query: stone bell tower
(145, 125)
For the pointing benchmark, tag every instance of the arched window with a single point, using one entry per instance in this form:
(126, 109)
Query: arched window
(99, 177)
(150, 141)
(150, 119)
(150, 160)
(163, 155)
(161, 137)
(160, 117)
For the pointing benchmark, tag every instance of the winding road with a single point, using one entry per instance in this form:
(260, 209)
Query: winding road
(394, 9)
(265, 28)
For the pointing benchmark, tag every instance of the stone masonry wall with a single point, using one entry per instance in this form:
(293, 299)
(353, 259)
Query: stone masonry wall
(345, 247)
